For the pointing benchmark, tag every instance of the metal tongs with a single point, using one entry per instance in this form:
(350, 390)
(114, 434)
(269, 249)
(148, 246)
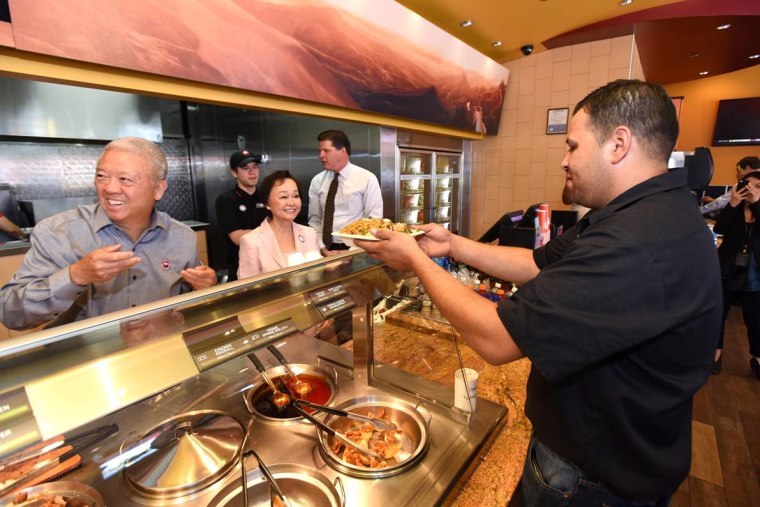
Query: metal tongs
(381, 424)
(267, 475)
(64, 452)
(334, 433)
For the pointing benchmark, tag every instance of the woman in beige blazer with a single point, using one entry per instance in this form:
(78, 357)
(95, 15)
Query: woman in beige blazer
(278, 242)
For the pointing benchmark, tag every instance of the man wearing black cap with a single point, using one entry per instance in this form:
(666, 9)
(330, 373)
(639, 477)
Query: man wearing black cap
(240, 211)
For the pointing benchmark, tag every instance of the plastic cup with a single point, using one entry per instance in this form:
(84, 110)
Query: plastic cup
(465, 389)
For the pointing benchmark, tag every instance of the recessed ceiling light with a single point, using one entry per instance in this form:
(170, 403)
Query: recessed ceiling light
(724, 26)
(496, 44)
(703, 73)
(625, 2)
(754, 57)
(466, 23)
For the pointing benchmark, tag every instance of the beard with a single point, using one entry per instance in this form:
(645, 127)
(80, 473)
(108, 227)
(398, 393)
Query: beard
(567, 194)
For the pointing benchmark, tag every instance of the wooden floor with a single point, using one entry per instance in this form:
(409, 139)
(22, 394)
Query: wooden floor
(725, 467)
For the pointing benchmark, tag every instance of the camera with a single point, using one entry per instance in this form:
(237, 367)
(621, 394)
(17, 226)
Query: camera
(742, 183)
(527, 49)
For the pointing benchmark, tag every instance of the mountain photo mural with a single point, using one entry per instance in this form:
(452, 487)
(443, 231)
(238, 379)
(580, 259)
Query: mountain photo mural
(372, 55)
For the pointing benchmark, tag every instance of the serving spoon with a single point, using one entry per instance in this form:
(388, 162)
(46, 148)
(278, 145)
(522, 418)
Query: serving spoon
(301, 387)
(280, 399)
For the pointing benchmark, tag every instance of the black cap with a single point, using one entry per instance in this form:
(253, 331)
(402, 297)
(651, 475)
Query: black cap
(243, 158)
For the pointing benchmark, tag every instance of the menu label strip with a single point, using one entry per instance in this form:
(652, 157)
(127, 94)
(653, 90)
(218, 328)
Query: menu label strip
(336, 306)
(18, 427)
(222, 352)
(275, 331)
(14, 405)
(322, 295)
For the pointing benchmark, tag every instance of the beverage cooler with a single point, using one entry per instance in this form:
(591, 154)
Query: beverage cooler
(430, 187)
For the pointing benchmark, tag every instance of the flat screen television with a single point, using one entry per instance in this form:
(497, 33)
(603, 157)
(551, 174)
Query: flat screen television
(737, 123)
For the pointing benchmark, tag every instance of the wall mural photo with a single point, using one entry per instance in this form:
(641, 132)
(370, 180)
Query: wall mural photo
(372, 55)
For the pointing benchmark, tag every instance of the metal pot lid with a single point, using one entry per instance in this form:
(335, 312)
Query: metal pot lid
(186, 454)
(303, 485)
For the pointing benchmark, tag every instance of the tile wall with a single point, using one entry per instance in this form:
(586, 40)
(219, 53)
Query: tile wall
(521, 165)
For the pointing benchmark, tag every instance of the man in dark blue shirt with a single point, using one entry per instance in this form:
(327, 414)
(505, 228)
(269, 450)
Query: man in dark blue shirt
(619, 315)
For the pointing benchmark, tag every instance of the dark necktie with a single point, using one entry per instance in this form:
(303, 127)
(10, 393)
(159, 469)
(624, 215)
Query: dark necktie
(327, 223)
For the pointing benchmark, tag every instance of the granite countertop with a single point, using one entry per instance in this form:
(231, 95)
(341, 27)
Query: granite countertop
(495, 474)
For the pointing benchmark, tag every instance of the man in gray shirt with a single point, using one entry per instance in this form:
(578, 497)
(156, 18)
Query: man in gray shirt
(109, 256)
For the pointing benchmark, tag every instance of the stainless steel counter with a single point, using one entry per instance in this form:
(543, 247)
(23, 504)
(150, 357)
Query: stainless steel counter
(453, 441)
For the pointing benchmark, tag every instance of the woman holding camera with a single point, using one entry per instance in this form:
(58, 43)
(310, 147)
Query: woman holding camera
(739, 255)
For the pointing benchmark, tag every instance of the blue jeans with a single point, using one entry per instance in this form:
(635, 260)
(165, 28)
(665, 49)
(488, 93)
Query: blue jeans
(549, 480)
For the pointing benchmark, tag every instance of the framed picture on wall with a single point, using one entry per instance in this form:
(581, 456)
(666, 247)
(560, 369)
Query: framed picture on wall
(556, 120)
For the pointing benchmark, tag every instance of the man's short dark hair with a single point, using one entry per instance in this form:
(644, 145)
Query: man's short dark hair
(338, 138)
(751, 162)
(275, 178)
(643, 107)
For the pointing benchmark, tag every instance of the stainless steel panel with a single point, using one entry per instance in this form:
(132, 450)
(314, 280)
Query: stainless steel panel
(289, 143)
(39, 171)
(36, 109)
(454, 440)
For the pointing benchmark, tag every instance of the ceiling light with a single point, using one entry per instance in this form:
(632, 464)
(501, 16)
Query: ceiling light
(694, 55)
(496, 44)
(625, 2)
(703, 73)
(466, 23)
(724, 26)
(754, 57)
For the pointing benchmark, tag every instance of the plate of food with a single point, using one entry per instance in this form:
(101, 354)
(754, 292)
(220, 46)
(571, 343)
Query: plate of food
(360, 229)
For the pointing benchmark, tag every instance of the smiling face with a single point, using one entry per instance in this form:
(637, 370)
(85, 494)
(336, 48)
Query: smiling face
(588, 177)
(284, 201)
(126, 190)
(332, 159)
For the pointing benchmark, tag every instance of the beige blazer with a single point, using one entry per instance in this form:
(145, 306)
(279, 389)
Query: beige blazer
(260, 252)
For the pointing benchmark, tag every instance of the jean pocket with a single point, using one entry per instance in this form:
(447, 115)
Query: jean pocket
(552, 470)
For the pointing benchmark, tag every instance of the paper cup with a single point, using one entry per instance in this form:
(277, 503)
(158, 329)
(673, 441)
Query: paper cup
(465, 389)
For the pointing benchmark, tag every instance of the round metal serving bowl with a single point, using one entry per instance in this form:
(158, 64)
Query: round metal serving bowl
(258, 399)
(69, 490)
(414, 437)
(185, 454)
(304, 486)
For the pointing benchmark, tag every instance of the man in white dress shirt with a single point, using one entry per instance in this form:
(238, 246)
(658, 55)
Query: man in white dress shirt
(358, 194)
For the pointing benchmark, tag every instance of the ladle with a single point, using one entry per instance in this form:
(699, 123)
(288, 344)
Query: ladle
(335, 434)
(302, 388)
(381, 424)
(280, 399)
(267, 475)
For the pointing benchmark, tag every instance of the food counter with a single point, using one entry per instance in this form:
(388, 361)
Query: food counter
(176, 379)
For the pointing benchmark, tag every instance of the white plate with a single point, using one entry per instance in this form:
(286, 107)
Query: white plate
(370, 237)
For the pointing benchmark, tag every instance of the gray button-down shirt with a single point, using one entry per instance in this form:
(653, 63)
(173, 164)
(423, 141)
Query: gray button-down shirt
(42, 289)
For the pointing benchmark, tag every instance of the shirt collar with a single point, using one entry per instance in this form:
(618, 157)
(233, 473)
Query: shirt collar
(674, 178)
(345, 171)
(102, 220)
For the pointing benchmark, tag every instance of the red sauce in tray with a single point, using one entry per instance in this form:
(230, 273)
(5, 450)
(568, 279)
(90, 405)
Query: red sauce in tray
(262, 398)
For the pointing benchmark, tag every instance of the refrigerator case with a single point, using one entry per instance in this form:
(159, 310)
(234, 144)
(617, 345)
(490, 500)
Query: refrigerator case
(430, 187)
